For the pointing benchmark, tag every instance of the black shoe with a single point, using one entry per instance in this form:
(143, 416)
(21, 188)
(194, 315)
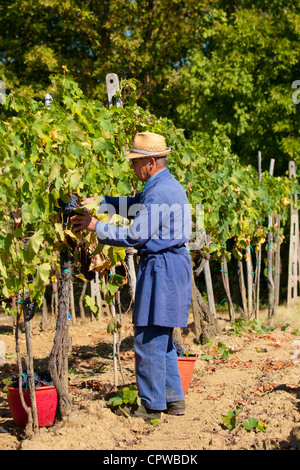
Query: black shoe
(141, 412)
(176, 408)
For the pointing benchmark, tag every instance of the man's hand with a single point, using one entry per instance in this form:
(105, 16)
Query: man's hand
(88, 200)
(84, 222)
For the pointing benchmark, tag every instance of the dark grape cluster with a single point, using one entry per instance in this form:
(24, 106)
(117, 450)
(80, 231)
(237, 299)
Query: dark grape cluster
(28, 309)
(68, 209)
(41, 379)
(179, 349)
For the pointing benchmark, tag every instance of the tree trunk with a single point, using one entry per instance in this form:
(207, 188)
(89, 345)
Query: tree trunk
(58, 363)
(29, 426)
(30, 374)
(257, 282)
(177, 336)
(206, 324)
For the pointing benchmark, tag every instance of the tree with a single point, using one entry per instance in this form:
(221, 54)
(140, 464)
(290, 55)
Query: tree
(140, 39)
(238, 77)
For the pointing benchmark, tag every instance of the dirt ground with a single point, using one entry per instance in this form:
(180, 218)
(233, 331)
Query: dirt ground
(260, 376)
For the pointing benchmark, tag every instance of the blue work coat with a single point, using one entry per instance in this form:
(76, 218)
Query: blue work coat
(159, 229)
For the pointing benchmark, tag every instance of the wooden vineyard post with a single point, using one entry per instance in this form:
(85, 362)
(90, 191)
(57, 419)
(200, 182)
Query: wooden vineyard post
(243, 292)
(270, 259)
(204, 266)
(249, 266)
(271, 288)
(44, 318)
(131, 270)
(208, 283)
(225, 279)
(293, 271)
(72, 304)
(95, 295)
(113, 87)
(82, 294)
(277, 262)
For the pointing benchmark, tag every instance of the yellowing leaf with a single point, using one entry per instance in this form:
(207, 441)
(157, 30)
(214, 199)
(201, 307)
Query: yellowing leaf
(3, 270)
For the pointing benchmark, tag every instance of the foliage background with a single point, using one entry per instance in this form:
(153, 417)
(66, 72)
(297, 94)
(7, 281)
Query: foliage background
(216, 67)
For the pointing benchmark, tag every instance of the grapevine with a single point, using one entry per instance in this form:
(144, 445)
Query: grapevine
(53, 159)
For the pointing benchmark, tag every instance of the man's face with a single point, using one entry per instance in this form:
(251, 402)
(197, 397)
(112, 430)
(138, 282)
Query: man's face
(141, 168)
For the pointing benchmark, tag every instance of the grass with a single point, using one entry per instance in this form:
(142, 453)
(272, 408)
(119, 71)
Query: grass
(284, 315)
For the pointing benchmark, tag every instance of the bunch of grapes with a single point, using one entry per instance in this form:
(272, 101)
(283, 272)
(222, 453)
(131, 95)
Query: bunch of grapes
(179, 349)
(29, 309)
(68, 209)
(40, 379)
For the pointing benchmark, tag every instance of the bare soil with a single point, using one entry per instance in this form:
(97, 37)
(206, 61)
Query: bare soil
(260, 376)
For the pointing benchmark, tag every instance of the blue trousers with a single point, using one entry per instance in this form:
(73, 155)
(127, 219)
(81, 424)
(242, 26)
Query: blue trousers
(157, 375)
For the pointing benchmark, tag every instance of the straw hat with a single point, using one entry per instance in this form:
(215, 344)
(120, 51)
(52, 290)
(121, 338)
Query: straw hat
(148, 144)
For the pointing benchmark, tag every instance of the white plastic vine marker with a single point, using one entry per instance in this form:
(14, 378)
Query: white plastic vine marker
(113, 87)
(2, 352)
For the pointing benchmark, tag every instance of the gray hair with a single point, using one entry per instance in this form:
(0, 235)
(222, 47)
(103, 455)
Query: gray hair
(162, 161)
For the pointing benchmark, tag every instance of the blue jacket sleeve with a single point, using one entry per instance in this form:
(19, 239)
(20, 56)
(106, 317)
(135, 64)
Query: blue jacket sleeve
(136, 235)
(118, 205)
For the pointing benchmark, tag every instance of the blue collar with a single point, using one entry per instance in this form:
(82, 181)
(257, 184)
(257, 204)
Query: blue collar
(152, 178)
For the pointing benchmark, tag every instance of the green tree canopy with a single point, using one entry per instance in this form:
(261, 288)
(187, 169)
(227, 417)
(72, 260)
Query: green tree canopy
(238, 83)
(213, 67)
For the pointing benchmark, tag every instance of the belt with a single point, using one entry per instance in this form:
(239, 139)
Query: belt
(171, 249)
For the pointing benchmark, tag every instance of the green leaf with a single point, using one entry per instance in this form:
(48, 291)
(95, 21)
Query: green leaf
(55, 168)
(91, 305)
(115, 281)
(75, 178)
(75, 149)
(99, 145)
(70, 161)
(115, 401)
(206, 357)
(34, 243)
(237, 254)
(40, 281)
(3, 270)
(113, 325)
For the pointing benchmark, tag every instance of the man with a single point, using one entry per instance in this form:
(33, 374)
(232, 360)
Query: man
(159, 229)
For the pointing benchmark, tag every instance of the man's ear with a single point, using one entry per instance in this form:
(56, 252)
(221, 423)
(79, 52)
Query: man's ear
(152, 161)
